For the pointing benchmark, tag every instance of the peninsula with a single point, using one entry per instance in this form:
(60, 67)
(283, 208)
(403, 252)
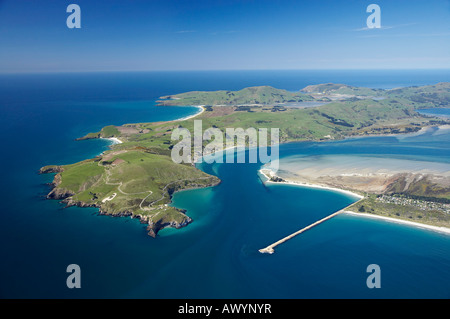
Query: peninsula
(137, 177)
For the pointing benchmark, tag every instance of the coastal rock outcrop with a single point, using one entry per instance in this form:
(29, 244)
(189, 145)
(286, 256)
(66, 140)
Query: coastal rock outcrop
(51, 169)
(59, 193)
(154, 228)
(69, 201)
(119, 214)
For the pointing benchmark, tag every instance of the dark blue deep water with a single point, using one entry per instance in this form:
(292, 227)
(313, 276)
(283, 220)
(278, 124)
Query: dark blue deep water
(217, 255)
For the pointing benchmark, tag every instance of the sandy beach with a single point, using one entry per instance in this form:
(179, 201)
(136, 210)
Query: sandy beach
(115, 140)
(266, 173)
(200, 107)
(444, 230)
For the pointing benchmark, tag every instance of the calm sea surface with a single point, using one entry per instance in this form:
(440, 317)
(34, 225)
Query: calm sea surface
(217, 255)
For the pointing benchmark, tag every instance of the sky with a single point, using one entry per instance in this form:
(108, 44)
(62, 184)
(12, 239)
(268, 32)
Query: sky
(149, 35)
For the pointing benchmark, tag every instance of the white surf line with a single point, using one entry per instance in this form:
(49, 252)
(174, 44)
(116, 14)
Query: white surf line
(440, 229)
(294, 183)
(202, 109)
(115, 140)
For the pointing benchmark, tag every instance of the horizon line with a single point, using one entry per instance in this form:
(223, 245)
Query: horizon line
(218, 70)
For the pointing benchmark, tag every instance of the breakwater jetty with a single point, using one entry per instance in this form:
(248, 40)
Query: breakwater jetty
(270, 249)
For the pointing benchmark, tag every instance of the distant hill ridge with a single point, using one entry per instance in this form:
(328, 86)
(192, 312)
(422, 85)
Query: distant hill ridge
(263, 95)
(267, 95)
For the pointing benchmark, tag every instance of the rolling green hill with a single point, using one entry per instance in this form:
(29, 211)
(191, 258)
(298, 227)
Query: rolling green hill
(139, 182)
(263, 95)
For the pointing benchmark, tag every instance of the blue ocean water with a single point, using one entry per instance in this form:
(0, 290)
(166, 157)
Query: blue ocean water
(217, 255)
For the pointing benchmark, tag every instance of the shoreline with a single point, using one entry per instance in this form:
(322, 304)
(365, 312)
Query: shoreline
(288, 182)
(200, 107)
(440, 229)
(114, 140)
(421, 131)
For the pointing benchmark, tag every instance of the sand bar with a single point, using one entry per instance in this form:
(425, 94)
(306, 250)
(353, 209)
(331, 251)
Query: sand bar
(444, 230)
(266, 173)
